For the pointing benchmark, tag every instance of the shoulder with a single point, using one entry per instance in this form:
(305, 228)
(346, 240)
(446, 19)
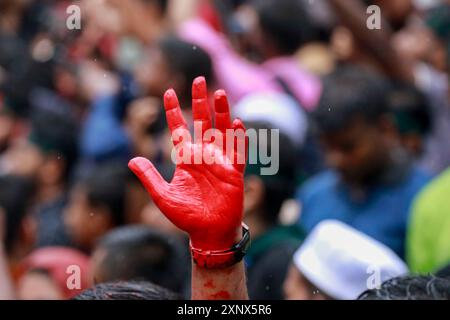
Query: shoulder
(416, 181)
(419, 176)
(321, 183)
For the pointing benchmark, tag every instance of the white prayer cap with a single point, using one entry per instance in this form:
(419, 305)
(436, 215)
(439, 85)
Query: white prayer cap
(344, 262)
(278, 109)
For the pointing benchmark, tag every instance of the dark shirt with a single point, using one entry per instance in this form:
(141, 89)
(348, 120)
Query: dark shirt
(50, 225)
(268, 259)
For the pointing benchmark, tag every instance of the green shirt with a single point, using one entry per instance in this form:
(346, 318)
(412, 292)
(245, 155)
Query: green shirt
(428, 237)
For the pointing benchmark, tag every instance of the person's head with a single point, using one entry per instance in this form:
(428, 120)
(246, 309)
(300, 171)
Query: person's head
(96, 204)
(174, 63)
(281, 127)
(354, 124)
(145, 122)
(281, 27)
(49, 151)
(15, 195)
(339, 262)
(264, 194)
(140, 253)
(53, 273)
(411, 287)
(127, 290)
(412, 116)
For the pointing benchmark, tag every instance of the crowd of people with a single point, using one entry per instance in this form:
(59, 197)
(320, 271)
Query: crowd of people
(358, 208)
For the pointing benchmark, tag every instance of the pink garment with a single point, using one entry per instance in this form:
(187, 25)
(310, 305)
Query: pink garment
(305, 87)
(240, 77)
(58, 261)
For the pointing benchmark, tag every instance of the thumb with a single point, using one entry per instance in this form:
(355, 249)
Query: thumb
(156, 186)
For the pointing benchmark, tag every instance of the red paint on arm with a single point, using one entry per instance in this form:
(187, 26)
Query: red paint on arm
(221, 295)
(209, 284)
(219, 284)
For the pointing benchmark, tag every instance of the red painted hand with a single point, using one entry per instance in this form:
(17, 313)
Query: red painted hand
(205, 200)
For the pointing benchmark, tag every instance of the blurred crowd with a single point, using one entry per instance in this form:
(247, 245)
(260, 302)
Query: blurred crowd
(361, 199)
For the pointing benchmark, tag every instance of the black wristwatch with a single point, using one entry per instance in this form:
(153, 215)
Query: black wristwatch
(210, 259)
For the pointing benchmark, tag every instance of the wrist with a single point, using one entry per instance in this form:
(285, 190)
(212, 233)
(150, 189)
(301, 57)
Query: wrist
(223, 258)
(214, 240)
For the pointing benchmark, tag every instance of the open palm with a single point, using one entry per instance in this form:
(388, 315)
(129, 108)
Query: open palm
(205, 199)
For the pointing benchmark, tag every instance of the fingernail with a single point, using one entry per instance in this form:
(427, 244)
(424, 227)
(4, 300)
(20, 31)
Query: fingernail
(136, 163)
(199, 88)
(221, 101)
(170, 99)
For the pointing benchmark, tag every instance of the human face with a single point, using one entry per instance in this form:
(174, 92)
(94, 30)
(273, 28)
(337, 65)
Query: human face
(153, 74)
(84, 222)
(23, 158)
(358, 152)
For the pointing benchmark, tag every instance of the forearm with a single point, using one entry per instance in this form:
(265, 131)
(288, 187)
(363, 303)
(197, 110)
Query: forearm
(353, 15)
(219, 284)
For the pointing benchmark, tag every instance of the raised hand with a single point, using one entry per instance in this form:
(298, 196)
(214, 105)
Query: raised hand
(204, 199)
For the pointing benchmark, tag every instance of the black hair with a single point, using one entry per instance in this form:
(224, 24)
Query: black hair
(15, 193)
(105, 186)
(140, 253)
(186, 59)
(444, 272)
(348, 93)
(127, 290)
(55, 131)
(410, 109)
(281, 186)
(285, 22)
(410, 287)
